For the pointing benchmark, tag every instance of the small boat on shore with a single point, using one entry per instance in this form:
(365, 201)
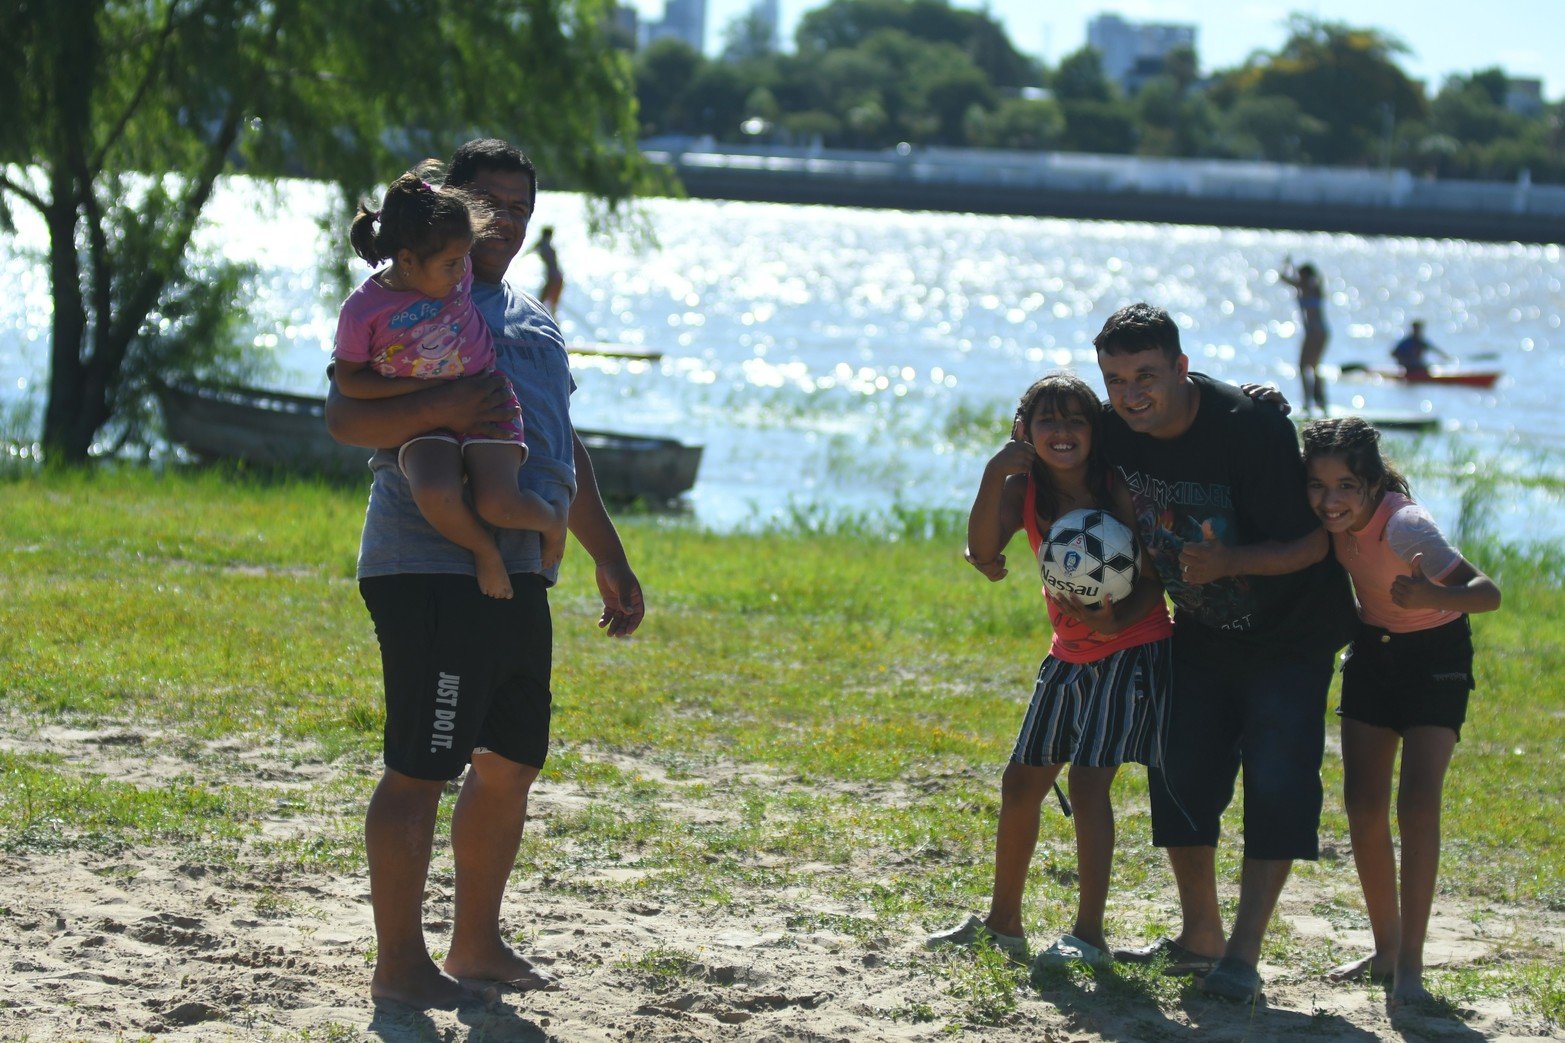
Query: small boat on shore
(285, 432)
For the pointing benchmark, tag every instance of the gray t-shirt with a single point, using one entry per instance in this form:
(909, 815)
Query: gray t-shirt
(530, 351)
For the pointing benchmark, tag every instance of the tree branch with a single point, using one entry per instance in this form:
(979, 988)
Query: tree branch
(147, 79)
(105, 358)
(141, 300)
(34, 199)
(98, 251)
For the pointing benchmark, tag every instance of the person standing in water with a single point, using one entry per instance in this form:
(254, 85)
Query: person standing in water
(553, 278)
(1306, 282)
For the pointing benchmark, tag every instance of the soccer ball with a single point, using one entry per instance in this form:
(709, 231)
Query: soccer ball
(1090, 554)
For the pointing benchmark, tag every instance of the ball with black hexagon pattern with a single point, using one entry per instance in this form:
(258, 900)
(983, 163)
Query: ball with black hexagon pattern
(1091, 554)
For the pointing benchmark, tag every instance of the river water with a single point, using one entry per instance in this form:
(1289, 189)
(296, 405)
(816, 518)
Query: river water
(839, 363)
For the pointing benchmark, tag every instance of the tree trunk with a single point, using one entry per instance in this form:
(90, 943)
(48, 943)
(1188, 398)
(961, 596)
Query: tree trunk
(75, 30)
(62, 438)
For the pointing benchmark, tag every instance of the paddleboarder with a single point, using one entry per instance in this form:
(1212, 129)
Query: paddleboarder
(553, 276)
(1306, 282)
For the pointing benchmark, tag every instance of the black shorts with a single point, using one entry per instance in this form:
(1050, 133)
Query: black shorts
(462, 670)
(1401, 681)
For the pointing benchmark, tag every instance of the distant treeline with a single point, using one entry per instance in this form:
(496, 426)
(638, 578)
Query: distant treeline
(875, 73)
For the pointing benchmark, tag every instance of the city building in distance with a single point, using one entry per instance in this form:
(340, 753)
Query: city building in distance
(682, 19)
(1133, 52)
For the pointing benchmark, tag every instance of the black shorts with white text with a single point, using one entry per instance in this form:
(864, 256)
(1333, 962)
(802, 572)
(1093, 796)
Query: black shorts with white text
(462, 670)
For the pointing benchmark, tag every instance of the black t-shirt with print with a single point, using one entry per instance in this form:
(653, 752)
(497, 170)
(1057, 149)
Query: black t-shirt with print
(1234, 475)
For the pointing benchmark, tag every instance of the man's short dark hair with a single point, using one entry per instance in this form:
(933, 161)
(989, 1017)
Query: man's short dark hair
(489, 154)
(1136, 328)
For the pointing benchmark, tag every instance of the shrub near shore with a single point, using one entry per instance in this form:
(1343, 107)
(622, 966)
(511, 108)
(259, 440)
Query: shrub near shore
(847, 695)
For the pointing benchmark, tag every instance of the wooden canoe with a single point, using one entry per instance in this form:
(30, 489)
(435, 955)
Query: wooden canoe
(285, 432)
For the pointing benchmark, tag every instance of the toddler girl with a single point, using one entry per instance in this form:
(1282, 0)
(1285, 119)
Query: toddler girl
(414, 320)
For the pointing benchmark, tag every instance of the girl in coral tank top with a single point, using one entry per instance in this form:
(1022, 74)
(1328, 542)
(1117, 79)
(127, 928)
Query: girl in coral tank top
(1101, 696)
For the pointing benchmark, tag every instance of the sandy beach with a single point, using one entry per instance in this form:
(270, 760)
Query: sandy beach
(160, 943)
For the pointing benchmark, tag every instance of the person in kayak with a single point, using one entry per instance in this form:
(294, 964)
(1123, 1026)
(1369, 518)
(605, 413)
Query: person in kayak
(1412, 352)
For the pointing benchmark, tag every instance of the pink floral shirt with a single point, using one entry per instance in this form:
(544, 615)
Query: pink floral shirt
(402, 333)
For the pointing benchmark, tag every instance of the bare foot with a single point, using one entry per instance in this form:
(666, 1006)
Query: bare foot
(1409, 993)
(427, 990)
(492, 578)
(504, 967)
(551, 545)
(1372, 968)
(1208, 944)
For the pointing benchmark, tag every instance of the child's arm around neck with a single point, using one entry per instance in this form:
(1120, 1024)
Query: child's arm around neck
(996, 514)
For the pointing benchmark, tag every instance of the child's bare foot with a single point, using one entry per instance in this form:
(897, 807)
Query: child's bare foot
(427, 989)
(1409, 992)
(551, 545)
(492, 577)
(1372, 968)
(504, 966)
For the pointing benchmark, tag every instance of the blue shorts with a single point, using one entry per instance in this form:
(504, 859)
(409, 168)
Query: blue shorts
(1099, 714)
(1230, 709)
(462, 670)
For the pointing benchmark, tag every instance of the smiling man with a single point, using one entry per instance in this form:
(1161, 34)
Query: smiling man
(1261, 608)
(467, 676)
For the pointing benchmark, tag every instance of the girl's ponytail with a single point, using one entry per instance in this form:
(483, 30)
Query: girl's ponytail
(361, 234)
(414, 216)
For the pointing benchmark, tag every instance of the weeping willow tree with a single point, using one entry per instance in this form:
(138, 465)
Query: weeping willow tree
(121, 116)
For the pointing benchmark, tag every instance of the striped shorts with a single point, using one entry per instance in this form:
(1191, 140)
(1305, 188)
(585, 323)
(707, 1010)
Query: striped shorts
(1099, 714)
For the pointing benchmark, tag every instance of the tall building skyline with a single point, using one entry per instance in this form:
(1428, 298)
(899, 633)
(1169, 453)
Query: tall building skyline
(1133, 52)
(682, 19)
(769, 14)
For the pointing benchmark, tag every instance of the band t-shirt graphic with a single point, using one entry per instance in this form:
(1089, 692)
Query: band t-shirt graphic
(1236, 477)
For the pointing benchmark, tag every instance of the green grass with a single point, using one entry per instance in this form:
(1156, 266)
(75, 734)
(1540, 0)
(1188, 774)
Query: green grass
(840, 692)
(49, 809)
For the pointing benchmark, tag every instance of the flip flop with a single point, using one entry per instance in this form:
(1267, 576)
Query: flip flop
(1233, 979)
(971, 931)
(1178, 960)
(1359, 970)
(1067, 950)
(535, 980)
